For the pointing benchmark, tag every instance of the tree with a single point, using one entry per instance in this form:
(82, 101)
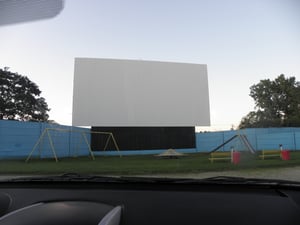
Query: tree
(20, 98)
(277, 103)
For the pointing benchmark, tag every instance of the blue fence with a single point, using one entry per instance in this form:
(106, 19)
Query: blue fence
(259, 138)
(18, 139)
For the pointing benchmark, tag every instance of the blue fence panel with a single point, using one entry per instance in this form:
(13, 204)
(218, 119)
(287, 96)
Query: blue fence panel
(259, 138)
(251, 135)
(18, 139)
(67, 141)
(59, 141)
(272, 141)
(233, 144)
(80, 140)
(285, 130)
(206, 142)
(297, 140)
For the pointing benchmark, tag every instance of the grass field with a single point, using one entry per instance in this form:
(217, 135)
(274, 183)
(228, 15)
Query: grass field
(141, 165)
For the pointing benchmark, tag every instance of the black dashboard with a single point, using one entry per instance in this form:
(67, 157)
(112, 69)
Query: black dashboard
(146, 204)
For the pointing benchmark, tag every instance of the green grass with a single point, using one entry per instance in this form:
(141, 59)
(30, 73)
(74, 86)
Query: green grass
(141, 165)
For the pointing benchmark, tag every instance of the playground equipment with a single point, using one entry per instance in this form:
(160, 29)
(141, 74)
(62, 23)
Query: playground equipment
(55, 135)
(243, 138)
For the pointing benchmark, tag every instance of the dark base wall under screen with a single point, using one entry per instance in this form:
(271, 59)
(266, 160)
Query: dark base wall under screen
(144, 138)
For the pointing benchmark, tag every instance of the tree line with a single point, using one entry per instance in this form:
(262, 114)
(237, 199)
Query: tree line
(277, 104)
(20, 98)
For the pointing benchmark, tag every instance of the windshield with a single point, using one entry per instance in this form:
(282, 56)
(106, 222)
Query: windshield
(188, 89)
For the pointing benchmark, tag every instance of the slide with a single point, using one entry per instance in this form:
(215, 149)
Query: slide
(243, 139)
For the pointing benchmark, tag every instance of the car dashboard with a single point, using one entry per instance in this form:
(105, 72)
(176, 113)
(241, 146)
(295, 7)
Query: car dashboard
(141, 203)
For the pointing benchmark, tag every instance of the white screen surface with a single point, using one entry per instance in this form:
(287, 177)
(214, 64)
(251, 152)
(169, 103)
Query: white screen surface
(110, 92)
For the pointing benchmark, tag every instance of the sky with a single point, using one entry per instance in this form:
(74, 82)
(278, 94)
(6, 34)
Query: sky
(241, 41)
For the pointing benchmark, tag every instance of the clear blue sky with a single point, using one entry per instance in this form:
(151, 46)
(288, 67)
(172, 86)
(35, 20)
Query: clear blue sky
(241, 42)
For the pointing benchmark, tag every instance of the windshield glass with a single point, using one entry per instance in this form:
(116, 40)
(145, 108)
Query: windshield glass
(188, 89)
